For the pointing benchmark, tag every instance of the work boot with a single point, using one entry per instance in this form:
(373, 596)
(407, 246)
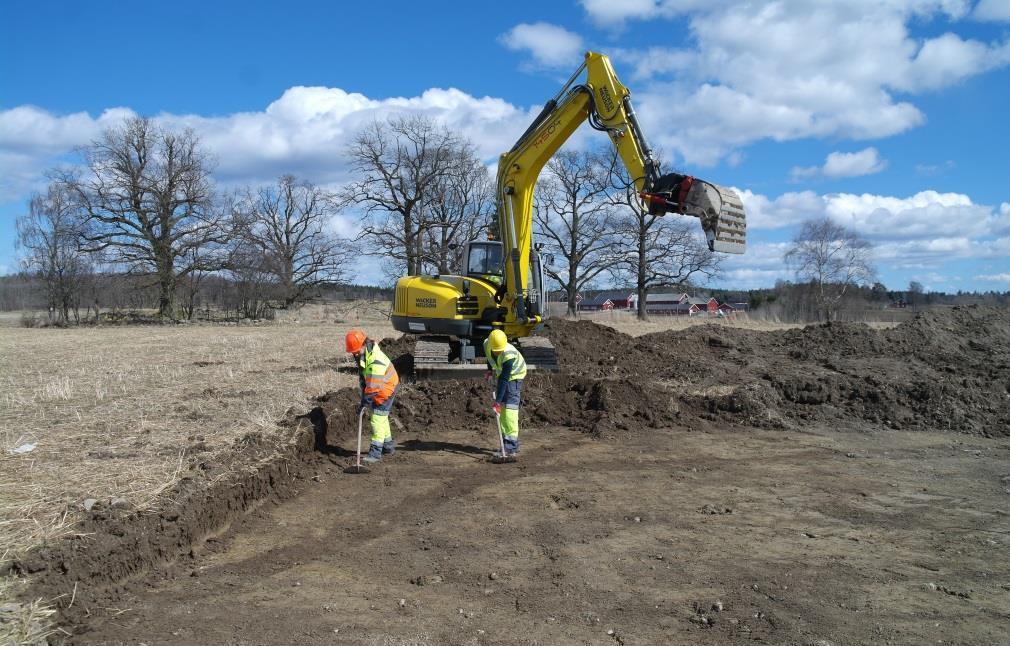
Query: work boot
(389, 447)
(511, 446)
(374, 453)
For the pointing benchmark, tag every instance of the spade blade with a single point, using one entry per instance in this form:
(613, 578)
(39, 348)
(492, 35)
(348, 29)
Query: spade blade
(356, 468)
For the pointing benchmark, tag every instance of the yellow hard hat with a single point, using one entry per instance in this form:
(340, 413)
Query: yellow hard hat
(498, 340)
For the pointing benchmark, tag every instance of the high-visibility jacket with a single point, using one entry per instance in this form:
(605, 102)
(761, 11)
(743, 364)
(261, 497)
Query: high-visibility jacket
(377, 375)
(517, 369)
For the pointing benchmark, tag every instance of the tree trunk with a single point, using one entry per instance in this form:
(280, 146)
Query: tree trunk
(166, 296)
(640, 283)
(573, 286)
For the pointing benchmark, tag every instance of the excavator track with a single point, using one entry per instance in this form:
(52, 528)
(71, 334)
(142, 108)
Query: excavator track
(433, 358)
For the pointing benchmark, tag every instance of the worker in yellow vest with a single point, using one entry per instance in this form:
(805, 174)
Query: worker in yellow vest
(508, 367)
(379, 383)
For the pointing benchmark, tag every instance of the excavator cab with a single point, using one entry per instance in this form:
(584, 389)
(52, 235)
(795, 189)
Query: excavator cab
(485, 259)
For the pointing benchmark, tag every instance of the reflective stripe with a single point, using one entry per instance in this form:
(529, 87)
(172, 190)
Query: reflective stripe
(378, 375)
(512, 406)
(509, 353)
(518, 363)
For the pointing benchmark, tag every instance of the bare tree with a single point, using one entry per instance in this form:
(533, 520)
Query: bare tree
(147, 198)
(915, 291)
(289, 227)
(573, 212)
(48, 239)
(253, 283)
(458, 210)
(399, 165)
(831, 258)
(657, 250)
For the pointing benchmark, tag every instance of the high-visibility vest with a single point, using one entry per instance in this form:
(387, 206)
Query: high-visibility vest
(378, 375)
(509, 353)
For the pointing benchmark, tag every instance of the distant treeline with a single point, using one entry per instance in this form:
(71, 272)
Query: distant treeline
(789, 301)
(110, 293)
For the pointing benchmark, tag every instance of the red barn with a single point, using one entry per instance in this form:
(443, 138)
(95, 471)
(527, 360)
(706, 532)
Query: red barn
(610, 300)
(709, 305)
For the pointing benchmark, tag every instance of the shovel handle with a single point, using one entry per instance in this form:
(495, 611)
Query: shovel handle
(361, 418)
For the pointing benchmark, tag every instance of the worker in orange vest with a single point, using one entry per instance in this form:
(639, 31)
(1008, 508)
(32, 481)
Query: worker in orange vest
(379, 383)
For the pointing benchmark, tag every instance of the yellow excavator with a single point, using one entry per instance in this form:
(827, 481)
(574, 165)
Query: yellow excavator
(504, 284)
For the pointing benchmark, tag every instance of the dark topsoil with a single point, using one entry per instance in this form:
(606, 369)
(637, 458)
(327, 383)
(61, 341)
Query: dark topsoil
(944, 370)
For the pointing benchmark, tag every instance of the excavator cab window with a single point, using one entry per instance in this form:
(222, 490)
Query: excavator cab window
(484, 260)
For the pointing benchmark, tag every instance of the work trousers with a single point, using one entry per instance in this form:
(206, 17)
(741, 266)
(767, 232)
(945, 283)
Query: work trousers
(510, 415)
(382, 436)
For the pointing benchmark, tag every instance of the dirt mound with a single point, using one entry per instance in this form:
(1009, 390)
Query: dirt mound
(401, 351)
(593, 406)
(946, 370)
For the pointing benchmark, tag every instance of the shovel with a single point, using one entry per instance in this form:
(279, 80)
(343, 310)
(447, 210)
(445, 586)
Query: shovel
(501, 458)
(357, 467)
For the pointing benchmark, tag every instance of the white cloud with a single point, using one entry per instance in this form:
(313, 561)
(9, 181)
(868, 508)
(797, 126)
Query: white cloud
(995, 278)
(31, 139)
(761, 266)
(927, 215)
(994, 10)
(838, 164)
(922, 231)
(613, 13)
(28, 129)
(549, 45)
(791, 69)
(932, 170)
(948, 59)
(784, 211)
(304, 132)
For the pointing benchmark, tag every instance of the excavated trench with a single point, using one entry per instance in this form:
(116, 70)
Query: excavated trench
(945, 370)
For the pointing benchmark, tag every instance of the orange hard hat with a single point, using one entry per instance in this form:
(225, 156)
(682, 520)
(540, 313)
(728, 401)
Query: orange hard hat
(354, 341)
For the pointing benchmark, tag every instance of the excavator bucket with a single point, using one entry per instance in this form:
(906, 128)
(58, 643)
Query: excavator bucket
(722, 216)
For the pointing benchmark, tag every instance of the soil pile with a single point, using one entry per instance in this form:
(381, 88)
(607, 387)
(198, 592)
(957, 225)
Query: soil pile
(595, 406)
(945, 370)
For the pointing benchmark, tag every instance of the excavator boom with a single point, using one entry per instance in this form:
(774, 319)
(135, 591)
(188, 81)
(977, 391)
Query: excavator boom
(513, 296)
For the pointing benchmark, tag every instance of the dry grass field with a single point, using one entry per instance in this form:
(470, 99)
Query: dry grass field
(115, 411)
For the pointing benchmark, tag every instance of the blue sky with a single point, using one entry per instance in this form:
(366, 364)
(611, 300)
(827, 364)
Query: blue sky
(886, 115)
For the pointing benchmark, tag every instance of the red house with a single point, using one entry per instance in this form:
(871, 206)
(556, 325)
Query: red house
(709, 305)
(611, 300)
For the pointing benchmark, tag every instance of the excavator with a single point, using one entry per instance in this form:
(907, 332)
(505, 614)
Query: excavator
(504, 284)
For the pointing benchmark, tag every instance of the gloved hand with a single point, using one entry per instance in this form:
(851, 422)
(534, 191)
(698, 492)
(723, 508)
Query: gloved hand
(488, 375)
(363, 405)
(497, 408)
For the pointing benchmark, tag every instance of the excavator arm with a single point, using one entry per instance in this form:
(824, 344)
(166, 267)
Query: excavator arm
(606, 103)
(502, 284)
